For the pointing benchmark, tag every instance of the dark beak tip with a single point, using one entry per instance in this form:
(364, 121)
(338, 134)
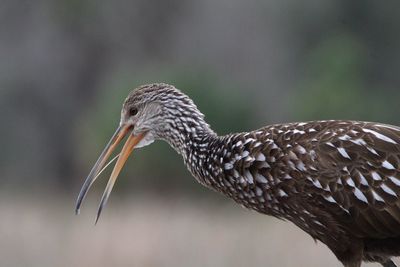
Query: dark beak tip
(97, 169)
(97, 220)
(119, 134)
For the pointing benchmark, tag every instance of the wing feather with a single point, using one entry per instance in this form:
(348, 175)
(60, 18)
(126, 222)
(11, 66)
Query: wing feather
(365, 158)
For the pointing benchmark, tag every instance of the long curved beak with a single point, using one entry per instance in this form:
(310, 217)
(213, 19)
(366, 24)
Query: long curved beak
(130, 144)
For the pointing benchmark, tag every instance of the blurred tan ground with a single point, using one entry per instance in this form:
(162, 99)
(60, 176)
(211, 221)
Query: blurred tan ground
(150, 232)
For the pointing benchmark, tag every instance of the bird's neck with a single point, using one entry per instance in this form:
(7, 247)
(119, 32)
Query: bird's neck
(192, 139)
(188, 137)
(197, 155)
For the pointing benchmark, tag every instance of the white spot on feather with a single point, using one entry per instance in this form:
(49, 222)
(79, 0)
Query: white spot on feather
(344, 137)
(376, 176)
(228, 166)
(300, 166)
(287, 177)
(259, 192)
(387, 165)
(248, 140)
(388, 190)
(380, 136)
(319, 223)
(317, 184)
(282, 193)
(363, 181)
(330, 144)
(264, 164)
(359, 142)
(301, 149)
(330, 199)
(313, 154)
(274, 146)
(249, 159)
(261, 179)
(239, 143)
(350, 182)
(389, 127)
(373, 151)
(245, 154)
(257, 144)
(295, 131)
(395, 180)
(248, 177)
(343, 152)
(377, 197)
(360, 195)
(260, 157)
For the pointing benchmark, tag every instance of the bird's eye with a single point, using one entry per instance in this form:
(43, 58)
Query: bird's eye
(133, 111)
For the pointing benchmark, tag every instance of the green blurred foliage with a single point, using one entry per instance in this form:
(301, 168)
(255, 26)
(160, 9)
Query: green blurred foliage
(336, 85)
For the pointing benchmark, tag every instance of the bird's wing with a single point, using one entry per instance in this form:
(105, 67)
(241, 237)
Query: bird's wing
(358, 168)
(344, 171)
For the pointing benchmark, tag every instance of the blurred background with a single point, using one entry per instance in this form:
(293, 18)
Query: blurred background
(67, 65)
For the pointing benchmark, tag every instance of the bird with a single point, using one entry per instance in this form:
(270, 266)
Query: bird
(337, 180)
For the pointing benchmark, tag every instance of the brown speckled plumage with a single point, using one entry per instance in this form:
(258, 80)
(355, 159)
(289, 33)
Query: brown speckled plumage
(339, 181)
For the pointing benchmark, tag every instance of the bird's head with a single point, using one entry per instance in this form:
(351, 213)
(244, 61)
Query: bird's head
(150, 112)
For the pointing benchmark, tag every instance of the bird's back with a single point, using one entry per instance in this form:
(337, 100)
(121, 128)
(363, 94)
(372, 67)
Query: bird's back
(337, 180)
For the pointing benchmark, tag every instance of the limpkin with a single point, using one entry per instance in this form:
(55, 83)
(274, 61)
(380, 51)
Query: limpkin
(339, 181)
